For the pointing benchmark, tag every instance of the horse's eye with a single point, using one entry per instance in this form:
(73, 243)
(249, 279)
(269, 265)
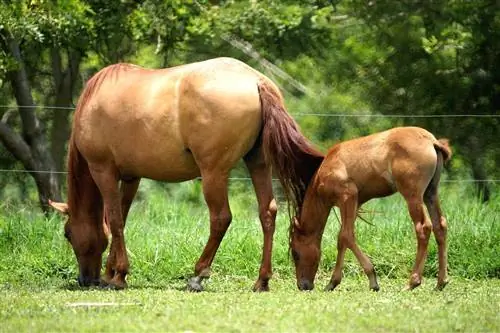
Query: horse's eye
(295, 255)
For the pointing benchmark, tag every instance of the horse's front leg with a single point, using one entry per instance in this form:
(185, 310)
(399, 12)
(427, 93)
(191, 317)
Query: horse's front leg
(117, 264)
(215, 192)
(128, 190)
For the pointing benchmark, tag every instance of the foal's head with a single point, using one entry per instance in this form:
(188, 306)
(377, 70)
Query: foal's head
(89, 240)
(306, 253)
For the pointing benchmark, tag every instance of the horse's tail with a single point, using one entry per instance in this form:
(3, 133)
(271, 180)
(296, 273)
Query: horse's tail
(444, 153)
(289, 152)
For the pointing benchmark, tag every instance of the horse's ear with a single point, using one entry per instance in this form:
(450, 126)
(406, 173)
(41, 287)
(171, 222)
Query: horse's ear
(296, 223)
(61, 207)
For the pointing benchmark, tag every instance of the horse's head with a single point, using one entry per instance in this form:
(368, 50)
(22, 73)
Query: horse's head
(89, 239)
(306, 254)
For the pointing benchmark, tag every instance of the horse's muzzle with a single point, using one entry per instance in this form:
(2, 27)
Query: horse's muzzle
(305, 285)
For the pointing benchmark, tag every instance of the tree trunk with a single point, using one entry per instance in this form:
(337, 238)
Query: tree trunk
(476, 160)
(65, 83)
(31, 148)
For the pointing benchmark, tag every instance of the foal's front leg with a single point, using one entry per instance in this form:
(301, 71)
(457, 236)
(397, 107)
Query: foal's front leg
(346, 239)
(348, 208)
(215, 192)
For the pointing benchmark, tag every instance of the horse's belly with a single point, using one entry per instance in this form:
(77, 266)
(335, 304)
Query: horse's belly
(158, 165)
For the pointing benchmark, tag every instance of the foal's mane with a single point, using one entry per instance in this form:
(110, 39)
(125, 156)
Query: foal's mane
(82, 189)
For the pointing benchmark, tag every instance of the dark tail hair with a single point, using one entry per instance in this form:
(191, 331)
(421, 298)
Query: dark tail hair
(290, 153)
(444, 153)
(443, 145)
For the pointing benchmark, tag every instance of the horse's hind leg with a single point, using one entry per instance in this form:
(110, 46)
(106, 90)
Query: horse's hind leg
(262, 181)
(128, 190)
(439, 228)
(215, 192)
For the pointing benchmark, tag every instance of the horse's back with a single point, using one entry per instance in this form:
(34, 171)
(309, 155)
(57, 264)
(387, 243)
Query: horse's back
(163, 124)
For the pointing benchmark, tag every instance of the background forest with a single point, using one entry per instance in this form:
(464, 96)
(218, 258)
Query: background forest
(347, 68)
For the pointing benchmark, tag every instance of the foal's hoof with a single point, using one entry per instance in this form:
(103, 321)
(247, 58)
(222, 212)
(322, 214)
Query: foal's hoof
(375, 288)
(194, 285)
(440, 285)
(261, 285)
(331, 287)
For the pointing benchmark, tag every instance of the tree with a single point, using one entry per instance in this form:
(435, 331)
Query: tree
(438, 58)
(31, 33)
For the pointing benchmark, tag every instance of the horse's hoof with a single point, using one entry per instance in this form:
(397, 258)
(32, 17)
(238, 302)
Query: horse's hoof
(194, 285)
(260, 286)
(375, 287)
(113, 284)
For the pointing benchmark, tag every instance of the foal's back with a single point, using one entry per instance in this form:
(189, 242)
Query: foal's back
(401, 159)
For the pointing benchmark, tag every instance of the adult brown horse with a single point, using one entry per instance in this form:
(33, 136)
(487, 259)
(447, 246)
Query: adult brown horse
(407, 160)
(174, 125)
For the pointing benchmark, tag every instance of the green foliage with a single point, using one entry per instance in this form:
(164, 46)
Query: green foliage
(354, 58)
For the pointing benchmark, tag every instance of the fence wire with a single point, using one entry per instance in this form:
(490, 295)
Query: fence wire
(303, 114)
(248, 178)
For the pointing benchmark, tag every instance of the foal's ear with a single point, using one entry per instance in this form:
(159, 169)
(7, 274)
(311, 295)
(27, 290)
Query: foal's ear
(61, 207)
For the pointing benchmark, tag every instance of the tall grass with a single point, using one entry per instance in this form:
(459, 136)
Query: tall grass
(167, 230)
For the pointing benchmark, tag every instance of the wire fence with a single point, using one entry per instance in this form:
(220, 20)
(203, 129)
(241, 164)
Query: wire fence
(248, 178)
(293, 114)
(302, 114)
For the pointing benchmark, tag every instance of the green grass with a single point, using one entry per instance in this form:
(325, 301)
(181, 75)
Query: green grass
(466, 306)
(166, 234)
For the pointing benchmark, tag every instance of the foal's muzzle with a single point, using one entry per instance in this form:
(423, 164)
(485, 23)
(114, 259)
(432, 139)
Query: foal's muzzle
(305, 285)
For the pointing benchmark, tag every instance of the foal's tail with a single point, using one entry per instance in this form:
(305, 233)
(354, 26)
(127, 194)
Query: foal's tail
(443, 145)
(290, 153)
(444, 153)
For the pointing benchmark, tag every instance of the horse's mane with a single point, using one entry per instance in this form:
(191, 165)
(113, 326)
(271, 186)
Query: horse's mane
(94, 83)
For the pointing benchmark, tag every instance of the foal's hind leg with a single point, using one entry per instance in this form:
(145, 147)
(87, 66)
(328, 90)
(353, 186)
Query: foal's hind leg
(262, 181)
(439, 227)
(215, 192)
(128, 189)
(423, 229)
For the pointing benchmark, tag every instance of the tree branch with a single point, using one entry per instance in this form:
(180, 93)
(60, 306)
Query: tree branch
(16, 146)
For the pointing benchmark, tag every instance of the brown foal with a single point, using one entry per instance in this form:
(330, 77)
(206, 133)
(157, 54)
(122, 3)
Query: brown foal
(407, 160)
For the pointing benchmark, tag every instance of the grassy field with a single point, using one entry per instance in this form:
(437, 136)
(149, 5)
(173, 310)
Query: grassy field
(166, 233)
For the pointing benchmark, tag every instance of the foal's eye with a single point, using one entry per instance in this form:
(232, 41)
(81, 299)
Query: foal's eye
(295, 255)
